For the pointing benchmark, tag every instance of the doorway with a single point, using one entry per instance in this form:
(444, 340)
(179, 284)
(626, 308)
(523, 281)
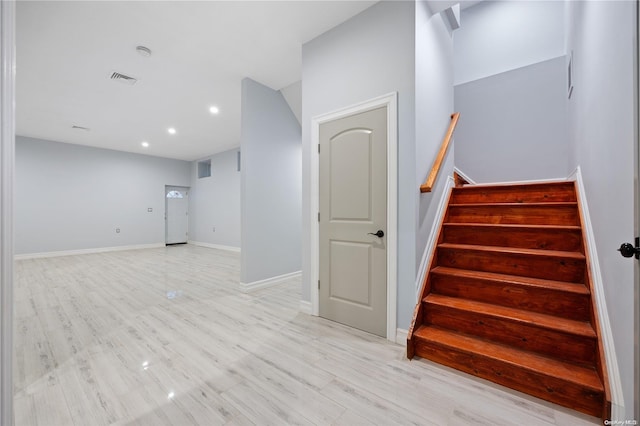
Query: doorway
(354, 204)
(176, 214)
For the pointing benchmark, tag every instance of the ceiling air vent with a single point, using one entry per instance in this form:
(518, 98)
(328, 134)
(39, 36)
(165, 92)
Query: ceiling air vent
(123, 78)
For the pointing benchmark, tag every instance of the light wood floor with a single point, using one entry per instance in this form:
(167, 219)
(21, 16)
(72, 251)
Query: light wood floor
(164, 337)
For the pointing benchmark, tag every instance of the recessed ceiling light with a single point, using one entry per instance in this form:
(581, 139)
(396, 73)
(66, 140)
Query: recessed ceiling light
(214, 110)
(145, 144)
(171, 131)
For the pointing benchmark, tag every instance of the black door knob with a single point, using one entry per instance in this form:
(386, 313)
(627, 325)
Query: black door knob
(629, 250)
(378, 234)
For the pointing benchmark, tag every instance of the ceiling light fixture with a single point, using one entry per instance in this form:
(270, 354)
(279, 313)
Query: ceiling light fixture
(171, 131)
(214, 110)
(143, 51)
(145, 144)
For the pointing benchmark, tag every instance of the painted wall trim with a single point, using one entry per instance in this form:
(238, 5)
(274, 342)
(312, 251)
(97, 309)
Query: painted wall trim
(215, 246)
(615, 383)
(461, 83)
(401, 336)
(433, 235)
(391, 102)
(464, 176)
(7, 163)
(305, 307)
(269, 282)
(86, 251)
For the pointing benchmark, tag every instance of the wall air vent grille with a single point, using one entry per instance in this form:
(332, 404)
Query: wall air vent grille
(123, 78)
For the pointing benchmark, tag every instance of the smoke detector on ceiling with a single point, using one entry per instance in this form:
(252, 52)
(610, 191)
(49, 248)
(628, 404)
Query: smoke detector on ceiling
(123, 78)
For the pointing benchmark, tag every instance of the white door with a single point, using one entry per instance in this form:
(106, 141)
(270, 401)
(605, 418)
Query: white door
(353, 209)
(177, 214)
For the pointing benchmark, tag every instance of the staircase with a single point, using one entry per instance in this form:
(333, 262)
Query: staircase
(507, 295)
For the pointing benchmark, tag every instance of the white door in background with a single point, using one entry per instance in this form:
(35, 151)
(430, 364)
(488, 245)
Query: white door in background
(176, 214)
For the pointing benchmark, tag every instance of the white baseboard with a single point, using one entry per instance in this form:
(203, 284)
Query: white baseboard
(256, 285)
(428, 249)
(305, 307)
(401, 336)
(215, 246)
(615, 383)
(85, 251)
(464, 176)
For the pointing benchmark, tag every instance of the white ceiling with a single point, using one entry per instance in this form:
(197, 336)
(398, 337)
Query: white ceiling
(66, 52)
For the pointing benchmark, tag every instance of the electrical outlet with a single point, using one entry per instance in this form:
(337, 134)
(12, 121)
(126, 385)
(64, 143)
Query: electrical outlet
(117, 230)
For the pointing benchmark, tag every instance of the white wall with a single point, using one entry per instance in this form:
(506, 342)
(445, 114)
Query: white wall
(601, 133)
(368, 56)
(72, 197)
(215, 202)
(434, 106)
(497, 36)
(513, 125)
(271, 185)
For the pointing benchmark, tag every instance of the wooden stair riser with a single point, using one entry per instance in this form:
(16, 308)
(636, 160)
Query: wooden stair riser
(526, 214)
(571, 305)
(515, 194)
(531, 337)
(548, 387)
(564, 239)
(546, 267)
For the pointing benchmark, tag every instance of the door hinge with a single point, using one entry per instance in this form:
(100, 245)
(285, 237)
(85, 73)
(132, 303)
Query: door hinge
(318, 216)
(318, 284)
(318, 148)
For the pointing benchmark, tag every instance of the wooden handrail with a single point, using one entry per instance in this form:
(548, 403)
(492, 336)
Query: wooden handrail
(427, 186)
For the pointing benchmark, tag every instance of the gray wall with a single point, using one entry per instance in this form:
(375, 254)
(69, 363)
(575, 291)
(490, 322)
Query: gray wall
(513, 125)
(390, 47)
(434, 105)
(215, 202)
(496, 36)
(271, 185)
(368, 56)
(601, 132)
(71, 197)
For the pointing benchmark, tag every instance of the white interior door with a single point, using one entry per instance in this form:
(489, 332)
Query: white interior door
(177, 214)
(353, 209)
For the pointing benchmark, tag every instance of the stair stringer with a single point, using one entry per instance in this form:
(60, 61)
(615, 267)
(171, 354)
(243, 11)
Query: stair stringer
(428, 262)
(607, 361)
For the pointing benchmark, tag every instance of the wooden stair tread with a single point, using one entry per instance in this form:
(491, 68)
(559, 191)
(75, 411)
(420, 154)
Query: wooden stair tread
(513, 226)
(535, 204)
(577, 288)
(510, 250)
(518, 186)
(549, 322)
(579, 375)
(560, 191)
